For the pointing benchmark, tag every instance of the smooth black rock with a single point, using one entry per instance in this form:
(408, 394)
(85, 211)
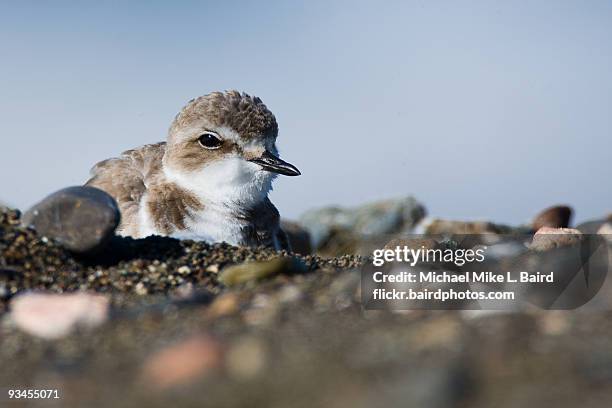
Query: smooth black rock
(82, 219)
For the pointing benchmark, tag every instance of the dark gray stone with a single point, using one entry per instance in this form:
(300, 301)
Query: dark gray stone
(82, 219)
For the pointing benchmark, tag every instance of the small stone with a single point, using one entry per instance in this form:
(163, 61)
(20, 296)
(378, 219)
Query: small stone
(554, 322)
(184, 291)
(184, 270)
(214, 268)
(246, 358)
(251, 271)
(140, 289)
(224, 305)
(558, 216)
(264, 311)
(82, 219)
(183, 363)
(548, 238)
(53, 316)
(290, 294)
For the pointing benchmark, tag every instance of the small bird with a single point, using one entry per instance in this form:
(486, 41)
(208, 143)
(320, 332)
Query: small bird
(209, 181)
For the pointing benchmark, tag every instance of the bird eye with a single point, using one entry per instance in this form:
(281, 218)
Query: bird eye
(210, 141)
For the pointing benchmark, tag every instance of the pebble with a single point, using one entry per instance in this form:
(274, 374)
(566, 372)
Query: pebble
(251, 271)
(82, 219)
(289, 294)
(246, 358)
(548, 238)
(554, 322)
(224, 305)
(558, 216)
(184, 292)
(183, 362)
(213, 268)
(264, 311)
(52, 316)
(140, 289)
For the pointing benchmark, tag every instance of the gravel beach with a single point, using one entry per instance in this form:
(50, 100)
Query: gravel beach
(182, 323)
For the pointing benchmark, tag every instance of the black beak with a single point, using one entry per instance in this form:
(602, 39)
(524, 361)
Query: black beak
(272, 163)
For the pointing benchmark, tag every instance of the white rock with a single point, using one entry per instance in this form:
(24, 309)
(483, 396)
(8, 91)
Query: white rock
(606, 231)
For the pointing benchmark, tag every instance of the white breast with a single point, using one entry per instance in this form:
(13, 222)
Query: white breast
(225, 188)
(213, 225)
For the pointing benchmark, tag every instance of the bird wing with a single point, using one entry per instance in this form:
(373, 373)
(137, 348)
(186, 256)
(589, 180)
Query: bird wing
(126, 177)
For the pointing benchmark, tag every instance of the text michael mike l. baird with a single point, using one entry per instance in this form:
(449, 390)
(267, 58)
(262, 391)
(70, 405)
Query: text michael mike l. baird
(467, 277)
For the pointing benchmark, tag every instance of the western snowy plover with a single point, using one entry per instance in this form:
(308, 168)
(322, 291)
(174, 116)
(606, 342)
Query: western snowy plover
(209, 181)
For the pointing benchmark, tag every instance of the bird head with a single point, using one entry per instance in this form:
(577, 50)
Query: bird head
(225, 141)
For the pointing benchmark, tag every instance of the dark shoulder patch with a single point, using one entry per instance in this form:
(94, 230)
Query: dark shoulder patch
(171, 206)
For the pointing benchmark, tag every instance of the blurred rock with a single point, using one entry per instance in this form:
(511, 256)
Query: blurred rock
(591, 227)
(334, 229)
(447, 227)
(606, 230)
(263, 311)
(298, 236)
(182, 363)
(413, 243)
(246, 358)
(185, 291)
(558, 216)
(508, 249)
(290, 294)
(548, 238)
(82, 219)
(52, 316)
(224, 305)
(251, 271)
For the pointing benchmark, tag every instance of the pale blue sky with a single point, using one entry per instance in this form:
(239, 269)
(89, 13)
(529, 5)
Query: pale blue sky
(488, 110)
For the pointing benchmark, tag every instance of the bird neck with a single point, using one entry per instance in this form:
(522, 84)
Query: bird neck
(230, 184)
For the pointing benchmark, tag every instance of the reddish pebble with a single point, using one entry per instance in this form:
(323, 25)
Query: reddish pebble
(183, 363)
